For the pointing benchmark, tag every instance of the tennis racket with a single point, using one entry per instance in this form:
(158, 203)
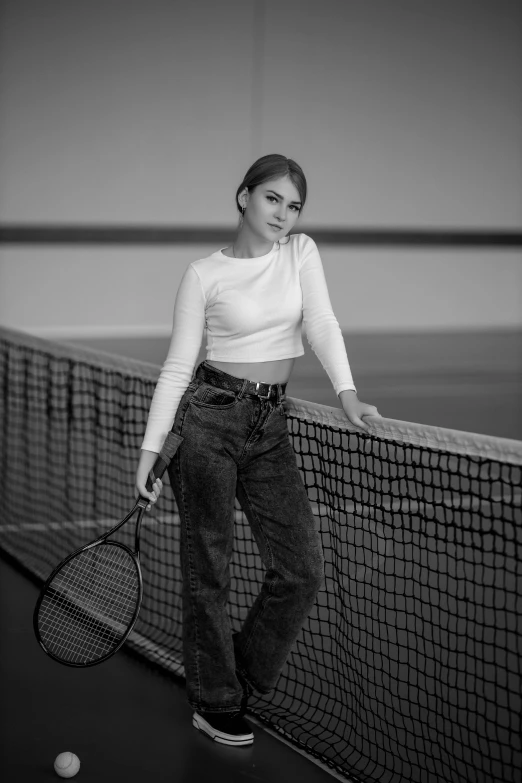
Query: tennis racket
(89, 604)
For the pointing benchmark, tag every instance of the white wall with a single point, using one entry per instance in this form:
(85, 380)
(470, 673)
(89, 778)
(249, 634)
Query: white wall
(403, 114)
(131, 291)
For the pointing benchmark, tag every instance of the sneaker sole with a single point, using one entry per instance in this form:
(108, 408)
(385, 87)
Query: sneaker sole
(219, 736)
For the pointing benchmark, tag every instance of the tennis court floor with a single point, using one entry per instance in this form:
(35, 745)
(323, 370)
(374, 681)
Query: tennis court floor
(124, 719)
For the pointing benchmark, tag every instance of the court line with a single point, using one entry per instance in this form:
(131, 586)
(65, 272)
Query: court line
(406, 505)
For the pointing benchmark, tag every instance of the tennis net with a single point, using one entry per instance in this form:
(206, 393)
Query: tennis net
(409, 666)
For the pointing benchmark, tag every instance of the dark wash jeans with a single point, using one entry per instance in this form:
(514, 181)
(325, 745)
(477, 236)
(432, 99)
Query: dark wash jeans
(236, 444)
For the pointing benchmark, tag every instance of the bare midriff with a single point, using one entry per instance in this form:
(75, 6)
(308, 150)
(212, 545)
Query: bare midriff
(265, 372)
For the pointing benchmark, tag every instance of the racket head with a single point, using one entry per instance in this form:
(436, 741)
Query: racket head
(89, 604)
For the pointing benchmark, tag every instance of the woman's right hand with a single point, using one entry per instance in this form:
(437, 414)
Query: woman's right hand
(147, 460)
(153, 496)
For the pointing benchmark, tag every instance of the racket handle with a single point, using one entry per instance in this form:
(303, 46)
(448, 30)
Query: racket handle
(169, 448)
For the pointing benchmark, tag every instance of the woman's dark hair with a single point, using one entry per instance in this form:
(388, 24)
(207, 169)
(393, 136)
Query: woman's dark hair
(274, 167)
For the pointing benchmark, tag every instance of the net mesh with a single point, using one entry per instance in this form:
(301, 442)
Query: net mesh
(409, 666)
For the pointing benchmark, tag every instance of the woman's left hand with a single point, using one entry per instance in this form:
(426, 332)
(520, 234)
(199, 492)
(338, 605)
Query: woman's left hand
(356, 410)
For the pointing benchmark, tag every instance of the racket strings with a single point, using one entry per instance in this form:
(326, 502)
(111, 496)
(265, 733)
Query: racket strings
(89, 604)
(82, 624)
(111, 587)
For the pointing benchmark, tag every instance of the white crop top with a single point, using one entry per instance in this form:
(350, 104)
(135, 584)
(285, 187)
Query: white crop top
(253, 310)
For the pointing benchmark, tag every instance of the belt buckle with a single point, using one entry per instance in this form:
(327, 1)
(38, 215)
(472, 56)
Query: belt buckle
(262, 396)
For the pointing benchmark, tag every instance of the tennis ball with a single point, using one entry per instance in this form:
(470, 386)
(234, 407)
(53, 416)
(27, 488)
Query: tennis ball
(66, 765)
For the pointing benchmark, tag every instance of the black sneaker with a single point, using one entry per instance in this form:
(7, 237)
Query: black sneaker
(224, 727)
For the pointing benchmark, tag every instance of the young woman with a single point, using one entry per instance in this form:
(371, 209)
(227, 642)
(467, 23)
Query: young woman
(252, 297)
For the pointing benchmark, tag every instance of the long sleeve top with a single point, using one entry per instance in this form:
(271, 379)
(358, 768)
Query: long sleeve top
(252, 310)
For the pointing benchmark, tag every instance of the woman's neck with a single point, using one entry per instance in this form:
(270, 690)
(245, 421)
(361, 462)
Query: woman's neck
(248, 246)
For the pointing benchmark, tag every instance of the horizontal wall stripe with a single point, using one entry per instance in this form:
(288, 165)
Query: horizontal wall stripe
(202, 235)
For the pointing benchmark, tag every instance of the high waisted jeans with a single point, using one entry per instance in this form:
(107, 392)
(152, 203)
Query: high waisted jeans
(237, 444)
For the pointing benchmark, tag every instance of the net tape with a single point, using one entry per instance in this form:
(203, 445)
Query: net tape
(409, 666)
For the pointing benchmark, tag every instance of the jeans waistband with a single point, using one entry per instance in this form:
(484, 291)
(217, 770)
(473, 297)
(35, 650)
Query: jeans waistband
(244, 387)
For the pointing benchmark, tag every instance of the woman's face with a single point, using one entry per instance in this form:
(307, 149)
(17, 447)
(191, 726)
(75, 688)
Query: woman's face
(275, 202)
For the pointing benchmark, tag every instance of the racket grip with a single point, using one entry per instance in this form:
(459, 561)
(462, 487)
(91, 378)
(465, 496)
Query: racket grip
(169, 448)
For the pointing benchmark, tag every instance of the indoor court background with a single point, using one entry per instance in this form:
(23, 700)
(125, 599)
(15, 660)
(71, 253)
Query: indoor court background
(125, 129)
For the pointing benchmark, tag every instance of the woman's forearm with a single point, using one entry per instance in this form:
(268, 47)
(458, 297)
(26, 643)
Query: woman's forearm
(147, 460)
(347, 394)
